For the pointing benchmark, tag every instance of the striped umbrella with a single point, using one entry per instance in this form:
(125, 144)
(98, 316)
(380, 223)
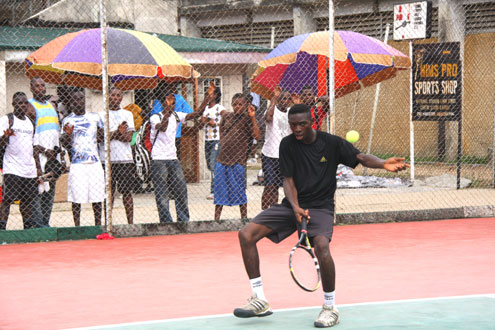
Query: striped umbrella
(301, 61)
(136, 60)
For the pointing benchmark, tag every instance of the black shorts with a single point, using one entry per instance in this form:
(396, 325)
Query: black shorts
(123, 177)
(18, 188)
(282, 221)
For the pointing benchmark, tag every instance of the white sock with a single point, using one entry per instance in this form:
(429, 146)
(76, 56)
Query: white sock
(257, 287)
(329, 298)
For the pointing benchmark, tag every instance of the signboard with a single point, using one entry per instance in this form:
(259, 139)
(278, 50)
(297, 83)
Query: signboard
(412, 20)
(437, 82)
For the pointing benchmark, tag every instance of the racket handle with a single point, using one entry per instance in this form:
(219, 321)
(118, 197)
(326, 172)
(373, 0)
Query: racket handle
(304, 224)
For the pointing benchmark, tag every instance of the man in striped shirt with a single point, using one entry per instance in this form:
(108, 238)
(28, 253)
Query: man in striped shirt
(46, 139)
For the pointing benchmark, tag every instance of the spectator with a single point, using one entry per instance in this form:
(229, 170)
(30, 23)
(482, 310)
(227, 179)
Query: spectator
(46, 140)
(81, 132)
(181, 105)
(277, 127)
(166, 170)
(123, 169)
(211, 119)
(237, 129)
(319, 105)
(20, 170)
(62, 101)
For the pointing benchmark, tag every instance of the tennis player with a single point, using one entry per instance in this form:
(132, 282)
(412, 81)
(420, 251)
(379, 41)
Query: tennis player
(308, 163)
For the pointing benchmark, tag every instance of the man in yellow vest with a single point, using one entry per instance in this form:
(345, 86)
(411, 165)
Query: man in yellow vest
(46, 140)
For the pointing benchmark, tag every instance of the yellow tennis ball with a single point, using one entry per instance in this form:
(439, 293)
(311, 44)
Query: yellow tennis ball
(352, 136)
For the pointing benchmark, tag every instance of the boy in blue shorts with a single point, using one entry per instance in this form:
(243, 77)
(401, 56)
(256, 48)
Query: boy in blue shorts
(237, 129)
(308, 164)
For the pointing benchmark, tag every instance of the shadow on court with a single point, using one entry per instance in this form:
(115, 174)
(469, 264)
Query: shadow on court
(469, 312)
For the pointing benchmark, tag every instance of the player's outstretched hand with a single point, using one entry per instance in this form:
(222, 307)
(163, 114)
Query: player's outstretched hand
(395, 164)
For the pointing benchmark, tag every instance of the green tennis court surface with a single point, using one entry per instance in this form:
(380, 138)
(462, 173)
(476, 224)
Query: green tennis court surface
(467, 312)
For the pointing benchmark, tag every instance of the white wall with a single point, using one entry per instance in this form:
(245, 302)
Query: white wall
(17, 82)
(232, 84)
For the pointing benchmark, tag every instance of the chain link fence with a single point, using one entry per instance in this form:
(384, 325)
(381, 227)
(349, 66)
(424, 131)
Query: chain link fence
(197, 63)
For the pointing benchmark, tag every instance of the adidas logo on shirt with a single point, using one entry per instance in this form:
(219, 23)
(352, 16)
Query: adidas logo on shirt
(323, 159)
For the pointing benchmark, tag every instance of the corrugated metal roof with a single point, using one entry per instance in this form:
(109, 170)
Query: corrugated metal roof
(33, 38)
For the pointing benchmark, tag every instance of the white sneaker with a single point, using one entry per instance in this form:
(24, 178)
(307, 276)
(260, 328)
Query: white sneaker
(328, 317)
(254, 307)
(210, 197)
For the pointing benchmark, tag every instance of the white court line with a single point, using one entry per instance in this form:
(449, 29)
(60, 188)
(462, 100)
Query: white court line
(110, 326)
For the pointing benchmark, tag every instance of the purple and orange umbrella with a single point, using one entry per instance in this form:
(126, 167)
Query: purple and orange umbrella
(136, 60)
(301, 61)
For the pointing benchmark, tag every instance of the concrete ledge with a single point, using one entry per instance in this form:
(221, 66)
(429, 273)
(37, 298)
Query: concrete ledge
(191, 227)
(175, 228)
(75, 233)
(28, 235)
(49, 234)
(400, 216)
(479, 211)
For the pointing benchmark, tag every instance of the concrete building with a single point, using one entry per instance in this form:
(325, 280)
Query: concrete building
(471, 22)
(228, 63)
(258, 21)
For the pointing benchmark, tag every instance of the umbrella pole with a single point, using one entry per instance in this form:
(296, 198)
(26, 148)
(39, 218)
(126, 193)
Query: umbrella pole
(356, 100)
(375, 105)
(104, 81)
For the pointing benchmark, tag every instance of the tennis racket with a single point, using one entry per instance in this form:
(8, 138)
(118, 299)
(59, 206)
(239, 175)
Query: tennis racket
(303, 264)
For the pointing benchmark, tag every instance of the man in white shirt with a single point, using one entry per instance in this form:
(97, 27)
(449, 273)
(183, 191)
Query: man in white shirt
(123, 168)
(20, 170)
(211, 118)
(81, 132)
(166, 170)
(162, 90)
(277, 127)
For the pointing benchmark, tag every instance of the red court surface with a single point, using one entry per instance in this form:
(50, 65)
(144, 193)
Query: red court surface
(88, 283)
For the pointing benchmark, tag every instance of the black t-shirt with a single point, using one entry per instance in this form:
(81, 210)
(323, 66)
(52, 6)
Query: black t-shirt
(313, 167)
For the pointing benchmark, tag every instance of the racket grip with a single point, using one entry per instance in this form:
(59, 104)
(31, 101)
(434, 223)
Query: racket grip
(304, 224)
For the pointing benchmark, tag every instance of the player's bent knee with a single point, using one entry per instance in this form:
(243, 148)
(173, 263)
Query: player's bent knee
(245, 235)
(322, 246)
(252, 233)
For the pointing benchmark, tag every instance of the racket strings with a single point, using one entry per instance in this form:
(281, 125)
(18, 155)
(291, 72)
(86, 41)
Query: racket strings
(304, 269)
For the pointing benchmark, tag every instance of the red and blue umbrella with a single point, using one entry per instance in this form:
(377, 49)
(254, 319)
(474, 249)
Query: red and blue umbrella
(136, 60)
(301, 61)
